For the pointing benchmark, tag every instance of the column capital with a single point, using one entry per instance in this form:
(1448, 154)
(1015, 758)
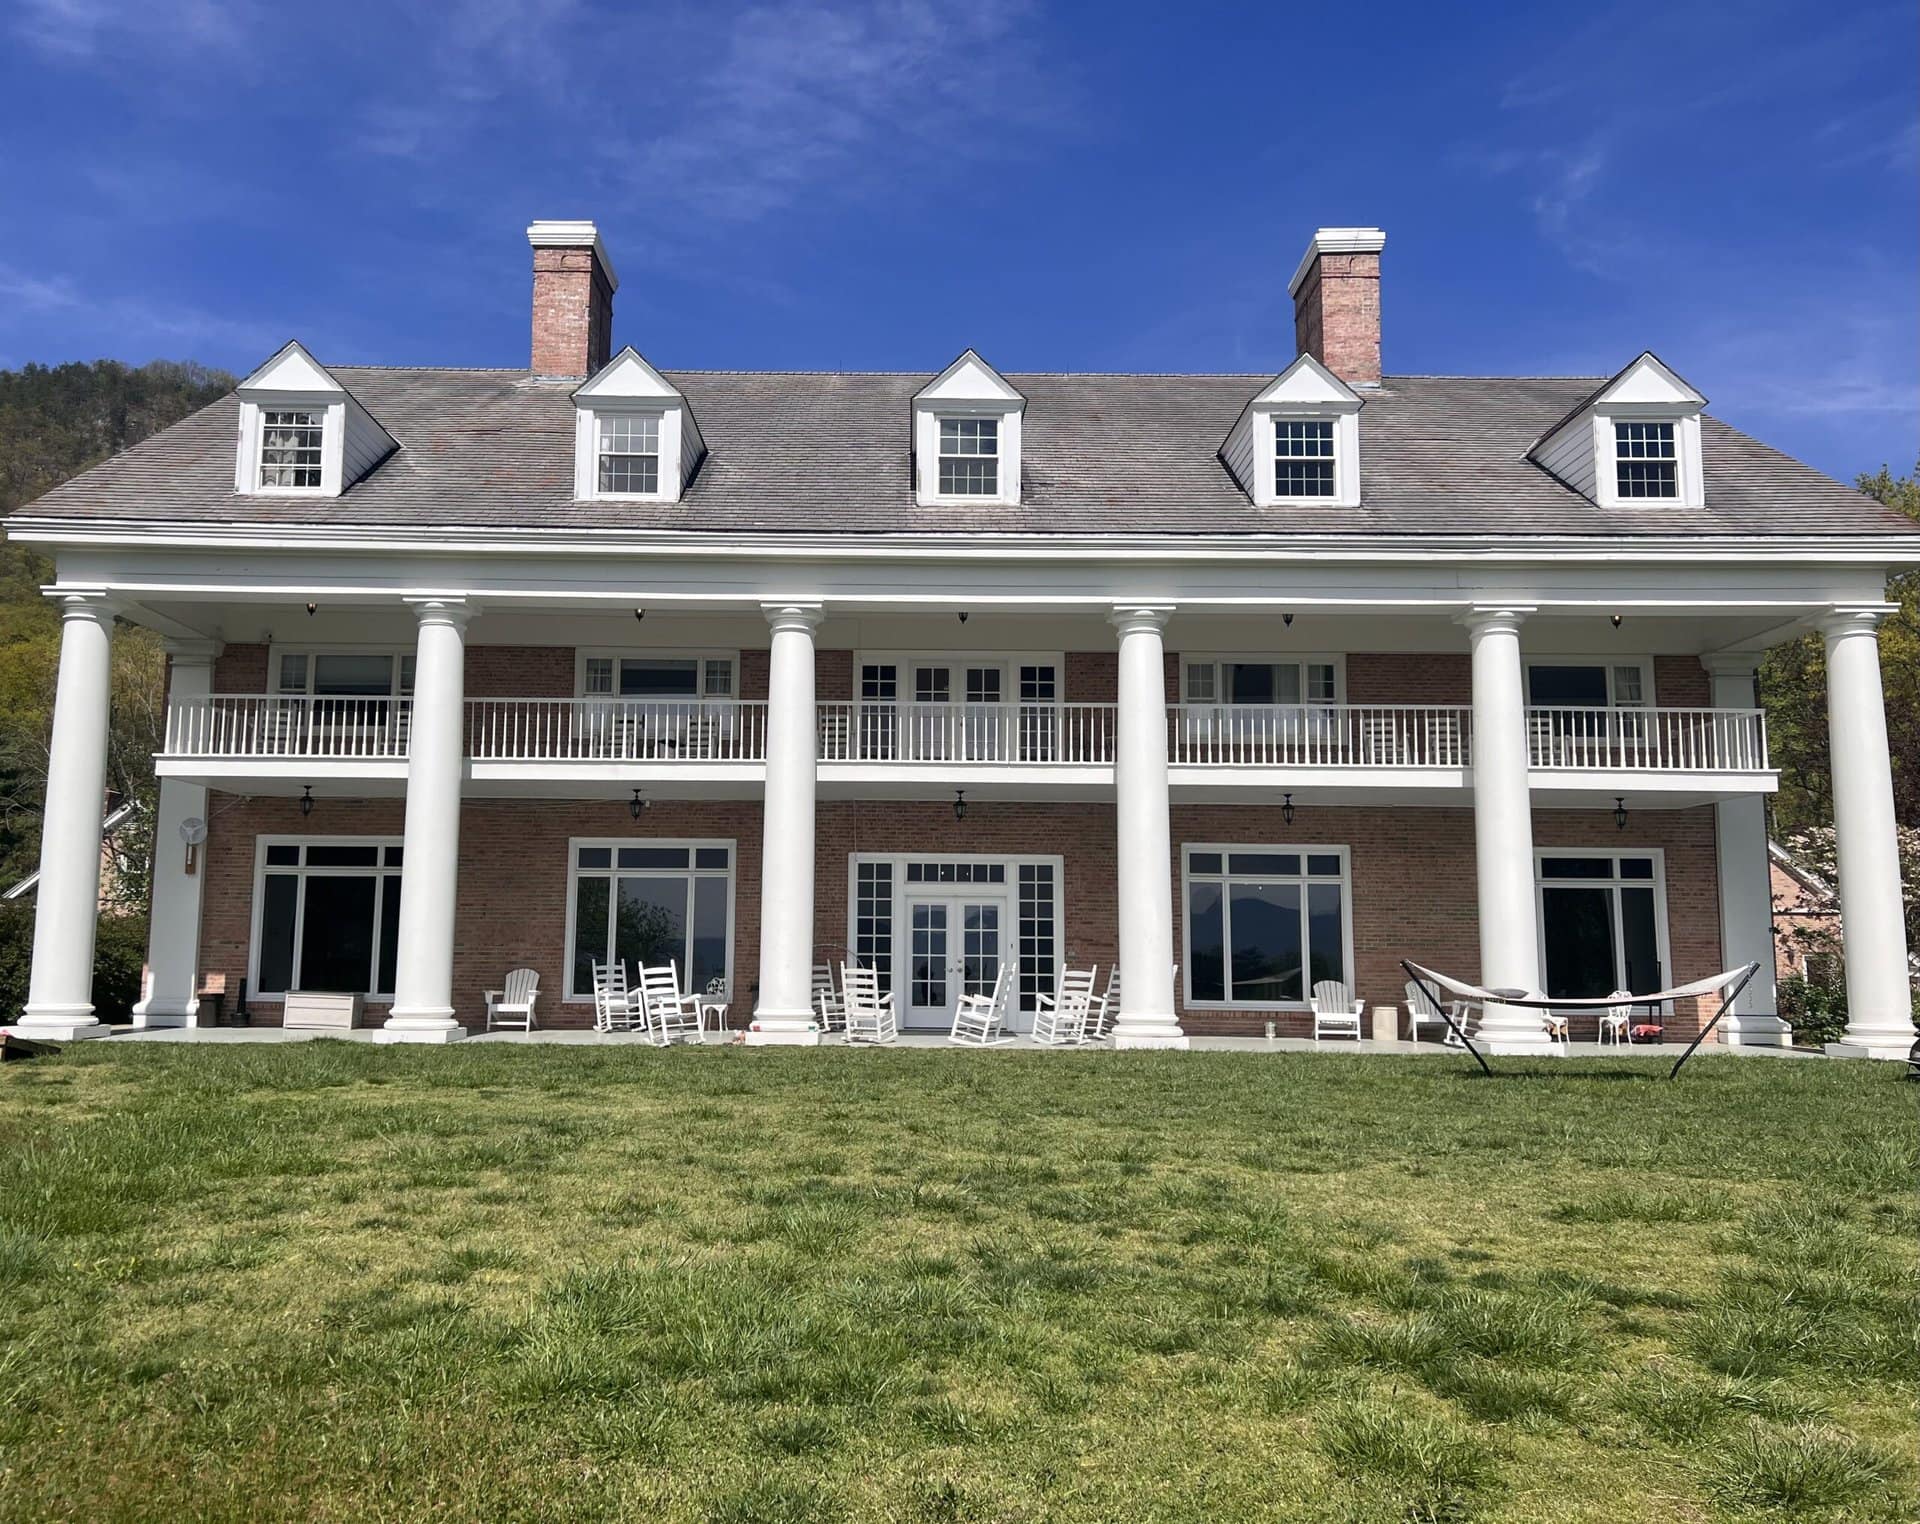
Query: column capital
(794, 616)
(1733, 663)
(89, 603)
(436, 609)
(193, 653)
(1854, 619)
(1129, 618)
(1494, 616)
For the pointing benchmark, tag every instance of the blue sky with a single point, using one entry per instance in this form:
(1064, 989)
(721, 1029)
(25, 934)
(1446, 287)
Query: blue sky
(1064, 187)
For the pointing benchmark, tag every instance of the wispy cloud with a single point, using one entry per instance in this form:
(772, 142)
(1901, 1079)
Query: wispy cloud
(116, 321)
(36, 293)
(80, 30)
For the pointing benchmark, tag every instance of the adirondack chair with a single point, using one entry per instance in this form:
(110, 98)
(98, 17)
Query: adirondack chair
(870, 1014)
(1335, 1012)
(513, 1005)
(1060, 1020)
(980, 1021)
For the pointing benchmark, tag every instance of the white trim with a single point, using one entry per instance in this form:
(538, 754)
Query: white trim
(1336, 241)
(1335, 659)
(582, 654)
(1689, 479)
(260, 870)
(573, 235)
(1613, 883)
(277, 649)
(692, 845)
(1008, 662)
(1649, 699)
(1187, 849)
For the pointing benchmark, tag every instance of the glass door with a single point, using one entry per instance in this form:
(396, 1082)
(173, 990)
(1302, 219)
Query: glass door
(1601, 926)
(954, 948)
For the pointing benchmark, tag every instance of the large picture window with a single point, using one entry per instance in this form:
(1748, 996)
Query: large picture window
(650, 903)
(1265, 924)
(326, 916)
(658, 677)
(1603, 922)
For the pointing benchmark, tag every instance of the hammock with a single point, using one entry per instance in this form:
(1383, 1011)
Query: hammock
(1432, 983)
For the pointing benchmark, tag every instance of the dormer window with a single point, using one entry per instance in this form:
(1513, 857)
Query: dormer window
(290, 446)
(629, 453)
(969, 457)
(1303, 457)
(1646, 463)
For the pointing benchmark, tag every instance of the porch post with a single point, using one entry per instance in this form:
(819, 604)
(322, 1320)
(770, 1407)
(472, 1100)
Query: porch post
(1872, 921)
(1503, 829)
(784, 1013)
(173, 931)
(1746, 878)
(430, 867)
(1144, 856)
(67, 900)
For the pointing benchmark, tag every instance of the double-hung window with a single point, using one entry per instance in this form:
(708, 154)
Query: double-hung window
(1303, 460)
(1646, 464)
(651, 903)
(327, 916)
(1265, 924)
(658, 677)
(1220, 681)
(290, 445)
(629, 453)
(969, 457)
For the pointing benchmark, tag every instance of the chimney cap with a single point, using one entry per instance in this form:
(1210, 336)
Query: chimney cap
(580, 234)
(1336, 241)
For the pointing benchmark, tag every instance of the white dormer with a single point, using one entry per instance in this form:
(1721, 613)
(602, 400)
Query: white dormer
(301, 432)
(966, 436)
(1635, 443)
(634, 434)
(1298, 442)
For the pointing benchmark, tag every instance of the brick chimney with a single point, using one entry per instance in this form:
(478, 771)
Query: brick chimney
(1336, 302)
(573, 286)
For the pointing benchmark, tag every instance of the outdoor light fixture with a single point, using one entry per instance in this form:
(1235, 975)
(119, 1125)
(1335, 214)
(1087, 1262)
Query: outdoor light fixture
(306, 800)
(312, 609)
(1616, 621)
(963, 616)
(959, 804)
(636, 804)
(1286, 809)
(1287, 619)
(1620, 813)
(639, 614)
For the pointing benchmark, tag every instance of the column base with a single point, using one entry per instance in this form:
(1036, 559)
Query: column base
(1150, 1032)
(150, 1014)
(783, 1029)
(55, 1030)
(1756, 1032)
(420, 1026)
(1860, 1048)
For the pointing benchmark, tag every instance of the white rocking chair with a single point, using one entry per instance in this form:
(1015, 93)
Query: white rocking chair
(980, 1021)
(513, 1005)
(1060, 1018)
(672, 1014)
(827, 1004)
(869, 1013)
(1335, 1012)
(613, 1008)
(1106, 1006)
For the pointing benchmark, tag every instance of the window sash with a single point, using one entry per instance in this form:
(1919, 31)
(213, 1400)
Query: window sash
(291, 442)
(1646, 460)
(969, 457)
(629, 453)
(1304, 460)
(292, 931)
(620, 891)
(1293, 683)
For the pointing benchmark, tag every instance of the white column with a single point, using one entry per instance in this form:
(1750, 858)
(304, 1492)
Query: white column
(67, 899)
(1503, 830)
(1144, 858)
(173, 924)
(430, 867)
(784, 1012)
(1746, 879)
(1872, 924)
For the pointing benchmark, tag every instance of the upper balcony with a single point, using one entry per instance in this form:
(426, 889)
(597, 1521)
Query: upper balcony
(1427, 749)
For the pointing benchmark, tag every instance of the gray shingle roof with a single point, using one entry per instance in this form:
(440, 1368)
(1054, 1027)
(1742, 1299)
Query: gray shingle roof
(828, 453)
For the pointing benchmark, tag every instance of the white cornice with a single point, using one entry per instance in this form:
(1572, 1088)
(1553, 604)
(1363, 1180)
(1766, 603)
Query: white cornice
(574, 235)
(1336, 241)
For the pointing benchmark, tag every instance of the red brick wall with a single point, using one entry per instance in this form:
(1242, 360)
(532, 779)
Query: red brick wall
(241, 669)
(1336, 315)
(520, 671)
(1680, 682)
(1444, 677)
(572, 312)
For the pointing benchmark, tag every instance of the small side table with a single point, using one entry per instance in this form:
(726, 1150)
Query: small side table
(1386, 1023)
(717, 1009)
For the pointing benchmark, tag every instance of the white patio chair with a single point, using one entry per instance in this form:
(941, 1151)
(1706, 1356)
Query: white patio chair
(827, 1004)
(1618, 1019)
(980, 1021)
(611, 1009)
(1060, 1019)
(513, 1005)
(672, 1014)
(869, 1013)
(1422, 1012)
(1335, 1012)
(1106, 1006)
(1555, 1025)
(714, 1004)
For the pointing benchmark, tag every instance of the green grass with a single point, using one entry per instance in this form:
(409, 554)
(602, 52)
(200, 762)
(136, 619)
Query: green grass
(341, 1282)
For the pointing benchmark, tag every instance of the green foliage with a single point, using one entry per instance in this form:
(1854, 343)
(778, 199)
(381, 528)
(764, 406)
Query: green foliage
(54, 423)
(119, 958)
(1815, 1008)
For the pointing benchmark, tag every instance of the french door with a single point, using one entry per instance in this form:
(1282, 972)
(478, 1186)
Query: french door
(955, 945)
(1602, 924)
(950, 710)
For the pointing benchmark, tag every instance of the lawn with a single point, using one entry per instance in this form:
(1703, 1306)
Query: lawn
(343, 1282)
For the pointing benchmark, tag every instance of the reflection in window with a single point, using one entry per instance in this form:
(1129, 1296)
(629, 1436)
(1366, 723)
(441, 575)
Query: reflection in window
(329, 917)
(1264, 925)
(651, 903)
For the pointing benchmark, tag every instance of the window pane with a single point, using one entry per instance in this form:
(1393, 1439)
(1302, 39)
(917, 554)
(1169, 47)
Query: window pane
(1203, 862)
(1266, 941)
(285, 856)
(1320, 682)
(1326, 944)
(1578, 933)
(290, 448)
(653, 857)
(1200, 683)
(873, 920)
(659, 677)
(320, 856)
(1206, 941)
(336, 934)
(650, 925)
(719, 678)
(279, 900)
(1576, 867)
(1568, 687)
(590, 897)
(1636, 867)
(711, 857)
(1264, 862)
(389, 930)
(1035, 930)
(1640, 942)
(596, 857)
(1319, 865)
(394, 857)
(293, 674)
(709, 957)
(1626, 686)
(344, 675)
(599, 675)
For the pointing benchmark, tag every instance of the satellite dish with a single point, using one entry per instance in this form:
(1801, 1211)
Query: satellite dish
(193, 830)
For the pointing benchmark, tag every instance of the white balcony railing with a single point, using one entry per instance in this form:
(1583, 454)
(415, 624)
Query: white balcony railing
(616, 730)
(1648, 740)
(288, 725)
(1039, 733)
(1318, 735)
